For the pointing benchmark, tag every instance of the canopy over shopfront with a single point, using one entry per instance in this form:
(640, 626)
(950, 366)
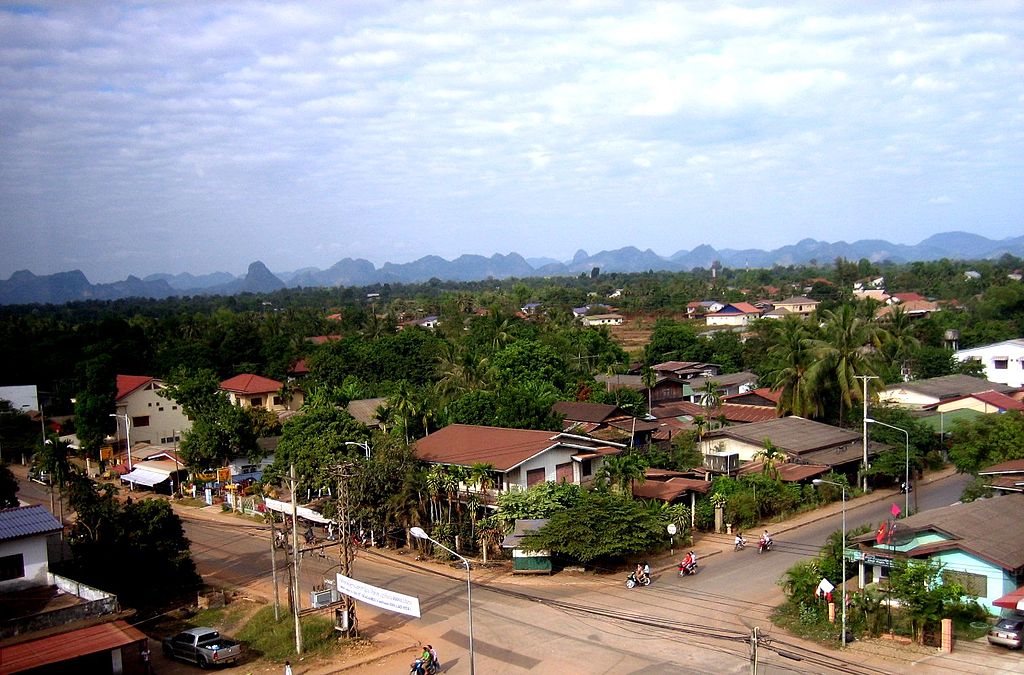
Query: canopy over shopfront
(147, 477)
(1014, 600)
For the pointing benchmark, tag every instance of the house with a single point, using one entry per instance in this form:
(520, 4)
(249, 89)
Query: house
(152, 418)
(521, 457)
(985, 402)
(702, 307)
(912, 308)
(602, 320)
(665, 388)
(797, 304)
(1003, 361)
(585, 416)
(725, 385)
(867, 283)
(972, 275)
(53, 624)
(524, 561)
(430, 322)
(898, 298)
(672, 487)
(253, 391)
(980, 545)
(530, 308)
(733, 314)
(364, 410)
(764, 397)
(1004, 477)
(919, 394)
(878, 294)
(801, 440)
(686, 370)
(163, 472)
(731, 413)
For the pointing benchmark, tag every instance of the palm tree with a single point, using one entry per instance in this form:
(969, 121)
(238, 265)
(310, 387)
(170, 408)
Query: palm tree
(790, 358)
(898, 341)
(621, 471)
(710, 400)
(846, 351)
(649, 379)
(770, 456)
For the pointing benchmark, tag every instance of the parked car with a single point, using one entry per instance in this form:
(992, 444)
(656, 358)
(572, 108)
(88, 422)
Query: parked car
(1007, 632)
(202, 646)
(38, 475)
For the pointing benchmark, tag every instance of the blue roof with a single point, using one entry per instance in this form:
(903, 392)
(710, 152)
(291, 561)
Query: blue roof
(27, 521)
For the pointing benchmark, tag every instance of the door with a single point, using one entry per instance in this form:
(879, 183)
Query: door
(563, 473)
(534, 476)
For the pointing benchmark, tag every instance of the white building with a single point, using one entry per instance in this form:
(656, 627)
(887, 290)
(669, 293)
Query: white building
(152, 418)
(1003, 361)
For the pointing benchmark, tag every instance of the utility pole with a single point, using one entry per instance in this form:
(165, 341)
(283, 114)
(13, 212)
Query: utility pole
(273, 565)
(753, 651)
(347, 624)
(295, 561)
(864, 421)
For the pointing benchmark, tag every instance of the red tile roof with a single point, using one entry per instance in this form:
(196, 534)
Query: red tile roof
(250, 384)
(907, 297)
(763, 392)
(55, 649)
(671, 489)
(1012, 466)
(469, 444)
(126, 384)
(734, 308)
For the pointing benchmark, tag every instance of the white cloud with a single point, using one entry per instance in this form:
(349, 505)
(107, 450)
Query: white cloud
(338, 121)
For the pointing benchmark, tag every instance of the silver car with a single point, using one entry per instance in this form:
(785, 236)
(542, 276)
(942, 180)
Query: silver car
(1007, 632)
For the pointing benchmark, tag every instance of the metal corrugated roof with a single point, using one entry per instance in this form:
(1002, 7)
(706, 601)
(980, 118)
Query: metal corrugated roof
(55, 649)
(27, 521)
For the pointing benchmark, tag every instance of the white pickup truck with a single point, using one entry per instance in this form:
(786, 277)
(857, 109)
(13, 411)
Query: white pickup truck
(202, 646)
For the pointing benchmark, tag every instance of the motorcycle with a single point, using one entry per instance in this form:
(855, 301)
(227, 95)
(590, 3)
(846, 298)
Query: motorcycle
(417, 667)
(764, 545)
(687, 568)
(740, 544)
(633, 582)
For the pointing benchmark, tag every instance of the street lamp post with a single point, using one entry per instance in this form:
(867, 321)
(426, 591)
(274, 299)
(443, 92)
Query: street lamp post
(906, 478)
(420, 534)
(364, 446)
(127, 435)
(819, 481)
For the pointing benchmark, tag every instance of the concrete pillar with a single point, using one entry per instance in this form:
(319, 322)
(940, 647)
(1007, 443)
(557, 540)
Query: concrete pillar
(831, 612)
(947, 636)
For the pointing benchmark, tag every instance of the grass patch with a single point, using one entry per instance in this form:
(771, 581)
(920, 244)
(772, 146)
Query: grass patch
(275, 640)
(806, 623)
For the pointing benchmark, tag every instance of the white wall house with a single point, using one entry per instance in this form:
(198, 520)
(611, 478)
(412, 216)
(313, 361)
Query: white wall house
(1003, 361)
(153, 418)
(23, 559)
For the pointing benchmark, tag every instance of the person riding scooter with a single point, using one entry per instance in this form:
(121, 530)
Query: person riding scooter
(688, 565)
(741, 543)
(765, 543)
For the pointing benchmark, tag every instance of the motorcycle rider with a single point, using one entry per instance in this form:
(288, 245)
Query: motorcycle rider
(766, 540)
(425, 663)
(740, 541)
(640, 573)
(689, 563)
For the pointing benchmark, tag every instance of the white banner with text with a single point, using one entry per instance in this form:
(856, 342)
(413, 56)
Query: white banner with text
(379, 597)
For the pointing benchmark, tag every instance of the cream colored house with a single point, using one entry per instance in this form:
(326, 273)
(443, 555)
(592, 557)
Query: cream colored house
(152, 418)
(797, 305)
(254, 391)
(920, 394)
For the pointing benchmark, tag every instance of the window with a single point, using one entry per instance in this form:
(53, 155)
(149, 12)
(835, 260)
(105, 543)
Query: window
(12, 567)
(586, 467)
(277, 400)
(140, 421)
(974, 584)
(256, 401)
(1000, 363)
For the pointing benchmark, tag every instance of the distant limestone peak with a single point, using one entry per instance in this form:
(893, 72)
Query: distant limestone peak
(581, 256)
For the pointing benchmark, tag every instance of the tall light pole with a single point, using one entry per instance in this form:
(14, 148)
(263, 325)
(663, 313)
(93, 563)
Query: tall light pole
(364, 446)
(127, 435)
(420, 534)
(906, 478)
(819, 481)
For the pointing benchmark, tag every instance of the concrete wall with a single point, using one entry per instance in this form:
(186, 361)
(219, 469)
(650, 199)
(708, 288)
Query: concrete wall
(36, 564)
(166, 419)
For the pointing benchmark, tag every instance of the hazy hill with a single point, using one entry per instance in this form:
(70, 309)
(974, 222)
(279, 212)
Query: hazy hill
(24, 287)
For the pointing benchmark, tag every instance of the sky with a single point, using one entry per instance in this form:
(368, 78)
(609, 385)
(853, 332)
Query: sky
(144, 137)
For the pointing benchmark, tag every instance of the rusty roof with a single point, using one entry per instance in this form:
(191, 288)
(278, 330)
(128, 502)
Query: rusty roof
(671, 489)
(585, 411)
(788, 472)
(504, 449)
(27, 521)
(1012, 466)
(56, 649)
(795, 435)
(733, 412)
(250, 384)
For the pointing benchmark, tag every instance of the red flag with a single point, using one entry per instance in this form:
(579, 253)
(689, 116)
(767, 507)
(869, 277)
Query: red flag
(895, 511)
(883, 530)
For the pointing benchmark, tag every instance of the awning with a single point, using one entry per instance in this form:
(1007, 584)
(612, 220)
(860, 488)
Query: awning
(144, 477)
(1014, 600)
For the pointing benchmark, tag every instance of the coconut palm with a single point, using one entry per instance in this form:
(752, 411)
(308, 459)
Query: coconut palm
(790, 357)
(770, 457)
(847, 350)
(621, 471)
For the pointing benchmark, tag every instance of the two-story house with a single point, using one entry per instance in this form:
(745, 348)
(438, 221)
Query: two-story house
(152, 417)
(1003, 361)
(254, 391)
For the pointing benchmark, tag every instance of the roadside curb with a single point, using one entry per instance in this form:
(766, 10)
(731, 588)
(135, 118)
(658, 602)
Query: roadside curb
(385, 653)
